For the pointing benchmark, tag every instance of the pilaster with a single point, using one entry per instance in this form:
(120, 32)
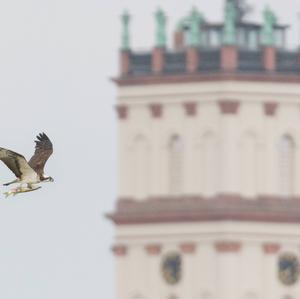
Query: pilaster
(229, 150)
(156, 113)
(153, 251)
(188, 250)
(190, 115)
(228, 269)
(270, 111)
(270, 265)
(121, 264)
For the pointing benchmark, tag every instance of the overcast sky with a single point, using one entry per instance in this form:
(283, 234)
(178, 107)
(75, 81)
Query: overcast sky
(56, 58)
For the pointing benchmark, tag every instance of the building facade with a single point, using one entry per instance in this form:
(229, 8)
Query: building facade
(209, 162)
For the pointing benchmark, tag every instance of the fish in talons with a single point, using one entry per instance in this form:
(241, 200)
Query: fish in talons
(20, 189)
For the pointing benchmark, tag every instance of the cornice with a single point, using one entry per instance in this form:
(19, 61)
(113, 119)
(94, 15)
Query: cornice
(218, 76)
(199, 209)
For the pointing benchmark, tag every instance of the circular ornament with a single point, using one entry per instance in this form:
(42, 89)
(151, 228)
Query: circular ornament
(171, 268)
(288, 269)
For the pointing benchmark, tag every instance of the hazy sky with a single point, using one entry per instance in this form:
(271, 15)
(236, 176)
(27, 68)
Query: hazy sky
(56, 58)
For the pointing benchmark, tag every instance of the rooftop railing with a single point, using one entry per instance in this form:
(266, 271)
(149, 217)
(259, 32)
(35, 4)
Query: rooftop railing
(265, 59)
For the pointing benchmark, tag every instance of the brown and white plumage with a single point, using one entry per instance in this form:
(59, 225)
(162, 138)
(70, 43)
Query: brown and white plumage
(31, 172)
(43, 150)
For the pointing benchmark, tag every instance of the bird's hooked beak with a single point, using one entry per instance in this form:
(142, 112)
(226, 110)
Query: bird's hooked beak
(50, 179)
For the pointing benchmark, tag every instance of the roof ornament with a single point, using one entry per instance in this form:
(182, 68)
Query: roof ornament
(194, 33)
(229, 31)
(242, 8)
(125, 19)
(161, 21)
(182, 24)
(268, 36)
(299, 27)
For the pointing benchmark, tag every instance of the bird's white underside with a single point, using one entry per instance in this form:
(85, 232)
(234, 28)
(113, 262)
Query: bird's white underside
(29, 176)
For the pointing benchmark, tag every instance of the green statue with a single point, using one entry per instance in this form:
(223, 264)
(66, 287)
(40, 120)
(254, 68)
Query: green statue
(183, 23)
(125, 18)
(229, 32)
(194, 34)
(268, 36)
(241, 8)
(161, 20)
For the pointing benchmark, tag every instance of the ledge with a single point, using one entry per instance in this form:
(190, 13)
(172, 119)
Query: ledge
(210, 76)
(199, 209)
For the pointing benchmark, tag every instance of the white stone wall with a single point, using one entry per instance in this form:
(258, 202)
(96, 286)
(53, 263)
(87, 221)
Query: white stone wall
(221, 153)
(249, 272)
(231, 153)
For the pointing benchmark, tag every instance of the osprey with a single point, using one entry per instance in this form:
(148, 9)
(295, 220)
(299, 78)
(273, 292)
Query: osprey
(32, 172)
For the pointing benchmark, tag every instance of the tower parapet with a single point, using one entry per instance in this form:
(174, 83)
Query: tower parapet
(255, 48)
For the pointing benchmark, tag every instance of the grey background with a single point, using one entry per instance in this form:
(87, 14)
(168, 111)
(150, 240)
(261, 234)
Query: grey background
(56, 58)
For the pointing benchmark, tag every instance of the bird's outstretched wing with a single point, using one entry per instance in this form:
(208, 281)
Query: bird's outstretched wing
(43, 150)
(16, 163)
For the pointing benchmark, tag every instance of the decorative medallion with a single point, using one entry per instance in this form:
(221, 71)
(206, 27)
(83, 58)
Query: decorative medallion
(171, 268)
(288, 268)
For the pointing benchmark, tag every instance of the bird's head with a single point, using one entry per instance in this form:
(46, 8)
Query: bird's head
(48, 179)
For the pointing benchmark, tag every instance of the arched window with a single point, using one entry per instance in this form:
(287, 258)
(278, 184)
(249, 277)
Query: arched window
(249, 165)
(286, 165)
(175, 154)
(140, 167)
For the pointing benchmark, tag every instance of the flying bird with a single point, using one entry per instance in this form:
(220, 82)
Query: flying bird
(32, 172)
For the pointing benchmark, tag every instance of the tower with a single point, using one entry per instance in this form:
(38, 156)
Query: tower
(209, 162)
